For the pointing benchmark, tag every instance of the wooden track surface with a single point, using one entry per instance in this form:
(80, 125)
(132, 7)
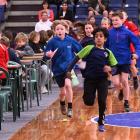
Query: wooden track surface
(51, 125)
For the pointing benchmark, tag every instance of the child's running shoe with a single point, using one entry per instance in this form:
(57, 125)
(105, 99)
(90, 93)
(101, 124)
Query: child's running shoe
(120, 96)
(69, 113)
(101, 128)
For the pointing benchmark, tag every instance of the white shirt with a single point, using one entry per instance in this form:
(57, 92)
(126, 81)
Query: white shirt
(43, 25)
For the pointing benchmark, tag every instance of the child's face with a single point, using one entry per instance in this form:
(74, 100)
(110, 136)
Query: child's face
(88, 29)
(60, 31)
(99, 39)
(20, 43)
(116, 21)
(37, 39)
(105, 24)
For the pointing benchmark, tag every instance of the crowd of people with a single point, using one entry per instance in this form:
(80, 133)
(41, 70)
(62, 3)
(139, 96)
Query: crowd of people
(109, 51)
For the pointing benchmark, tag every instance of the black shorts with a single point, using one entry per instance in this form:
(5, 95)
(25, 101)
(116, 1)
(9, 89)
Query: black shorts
(60, 80)
(122, 68)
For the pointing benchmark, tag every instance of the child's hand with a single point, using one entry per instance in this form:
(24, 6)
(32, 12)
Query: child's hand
(107, 69)
(134, 56)
(51, 53)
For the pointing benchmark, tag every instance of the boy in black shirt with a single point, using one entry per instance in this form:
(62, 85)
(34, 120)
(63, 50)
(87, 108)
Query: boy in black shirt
(98, 65)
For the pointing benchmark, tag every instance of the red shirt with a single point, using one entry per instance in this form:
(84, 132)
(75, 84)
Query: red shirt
(133, 28)
(4, 58)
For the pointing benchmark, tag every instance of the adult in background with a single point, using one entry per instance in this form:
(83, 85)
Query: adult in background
(48, 10)
(99, 5)
(65, 12)
(44, 24)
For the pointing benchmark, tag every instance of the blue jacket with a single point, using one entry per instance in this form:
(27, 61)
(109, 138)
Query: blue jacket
(119, 43)
(65, 53)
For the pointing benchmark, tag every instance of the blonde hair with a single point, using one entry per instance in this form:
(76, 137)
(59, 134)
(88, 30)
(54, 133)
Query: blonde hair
(5, 40)
(105, 19)
(21, 36)
(57, 22)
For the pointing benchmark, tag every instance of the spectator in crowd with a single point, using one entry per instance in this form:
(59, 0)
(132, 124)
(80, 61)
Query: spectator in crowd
(11, 52)
(92, 12)
(43, 39)
(93, 20)
(65, 12)
(88, 39)
(22, 47)
(34, 38)
(105, 13)
(44, 24)
(10, 35)
(4, 57)
(98, 5)
(48, 10)
(3, 3)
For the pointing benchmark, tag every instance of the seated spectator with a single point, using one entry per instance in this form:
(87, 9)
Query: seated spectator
(10, 35)
(44, 24)
(65, 12)
(92, 12)
(11, 52)
(48, 10)
(105, 13)
(22, 47)
(99, 5)
(4, 58)
(34, 38)
(93, 20)
(3, 3)
(43, 39)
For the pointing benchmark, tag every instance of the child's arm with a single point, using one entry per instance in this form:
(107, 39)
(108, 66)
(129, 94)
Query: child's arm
(83, 53)
(112, 63)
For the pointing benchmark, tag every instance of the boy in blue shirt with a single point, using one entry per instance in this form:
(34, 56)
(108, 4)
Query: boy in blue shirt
(61, 49)
(119, 43)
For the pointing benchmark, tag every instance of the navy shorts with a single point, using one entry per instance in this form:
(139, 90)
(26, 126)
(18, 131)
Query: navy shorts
(60, 80)
(121, 68)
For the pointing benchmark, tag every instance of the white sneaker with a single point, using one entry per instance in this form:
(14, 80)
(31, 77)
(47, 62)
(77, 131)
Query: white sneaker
(44, 90)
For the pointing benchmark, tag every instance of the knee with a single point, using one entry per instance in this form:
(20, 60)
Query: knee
(125, 82)
(62, 93)
(88, 100)
(117, 84)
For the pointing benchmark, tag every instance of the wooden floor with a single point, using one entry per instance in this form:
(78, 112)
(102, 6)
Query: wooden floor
(51, 125)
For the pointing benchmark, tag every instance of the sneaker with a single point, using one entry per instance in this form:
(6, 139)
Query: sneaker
(135, 82)
(44, 90)
(63, 109)
(101, 128)
(126, 107)
(69, 113)
(120, 96)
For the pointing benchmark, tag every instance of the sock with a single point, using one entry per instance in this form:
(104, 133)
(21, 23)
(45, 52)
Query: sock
(69, 105)
(62, 102)
(126, 101)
